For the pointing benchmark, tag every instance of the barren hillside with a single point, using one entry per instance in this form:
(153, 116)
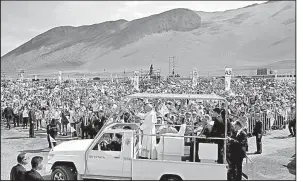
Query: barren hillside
(252, 36)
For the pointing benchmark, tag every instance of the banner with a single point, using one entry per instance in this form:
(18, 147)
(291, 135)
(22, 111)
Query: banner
(21, 75)
(136, 80)
(195, 78)
(164, 110)
(60, 77)
(228, 72)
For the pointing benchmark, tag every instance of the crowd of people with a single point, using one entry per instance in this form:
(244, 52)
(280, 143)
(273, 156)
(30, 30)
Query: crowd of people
(89, 103)
(85, 105)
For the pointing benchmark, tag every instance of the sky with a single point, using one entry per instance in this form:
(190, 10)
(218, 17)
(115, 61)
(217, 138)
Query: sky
(23, 20)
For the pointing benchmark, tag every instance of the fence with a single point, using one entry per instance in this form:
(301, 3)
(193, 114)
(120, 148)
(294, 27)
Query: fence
(278, 120)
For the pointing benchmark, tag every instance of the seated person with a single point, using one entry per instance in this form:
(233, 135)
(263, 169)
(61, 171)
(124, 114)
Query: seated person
(111, 142)
(167, 128)
(196, 118)
(127, 128)
(126, 117)
(116, 143)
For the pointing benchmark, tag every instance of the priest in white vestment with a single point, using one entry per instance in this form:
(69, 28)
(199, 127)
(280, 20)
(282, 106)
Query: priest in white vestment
(148, 128)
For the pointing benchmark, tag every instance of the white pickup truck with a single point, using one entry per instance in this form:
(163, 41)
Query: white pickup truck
(114, 155)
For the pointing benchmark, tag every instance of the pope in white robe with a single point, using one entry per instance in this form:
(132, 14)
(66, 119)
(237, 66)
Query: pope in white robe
(148, 128)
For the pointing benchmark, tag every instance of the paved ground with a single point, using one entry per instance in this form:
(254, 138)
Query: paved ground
(278, 161)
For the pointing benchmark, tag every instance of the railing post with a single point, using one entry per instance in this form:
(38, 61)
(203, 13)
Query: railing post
(163, 148)
(194, 153)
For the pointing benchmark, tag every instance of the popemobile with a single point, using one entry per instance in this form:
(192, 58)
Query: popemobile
(116, 151)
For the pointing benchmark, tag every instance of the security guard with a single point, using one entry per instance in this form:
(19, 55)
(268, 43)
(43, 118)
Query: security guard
(51, 130)
(32, 121)
(238, 151)
(218, 131)
(257, 131)
(292, 122)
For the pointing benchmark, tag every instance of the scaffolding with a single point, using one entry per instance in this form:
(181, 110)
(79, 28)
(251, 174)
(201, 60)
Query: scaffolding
(172, 66)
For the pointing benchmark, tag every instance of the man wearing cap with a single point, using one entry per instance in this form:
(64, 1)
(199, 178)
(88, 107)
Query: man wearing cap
(148, 128)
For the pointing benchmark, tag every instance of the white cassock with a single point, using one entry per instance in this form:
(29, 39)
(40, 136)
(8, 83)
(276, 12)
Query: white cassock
(148, 128)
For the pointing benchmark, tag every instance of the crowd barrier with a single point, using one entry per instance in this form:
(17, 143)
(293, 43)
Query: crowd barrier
(268, 123)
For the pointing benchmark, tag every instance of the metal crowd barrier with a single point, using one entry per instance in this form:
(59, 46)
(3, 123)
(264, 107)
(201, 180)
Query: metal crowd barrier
(278, 123)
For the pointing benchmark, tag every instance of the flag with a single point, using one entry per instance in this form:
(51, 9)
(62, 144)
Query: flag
(164, 110)
(60, 77)
(95, 88)
(195, 78)
(52, 140)
(228, 72)
(72, 129)
(136, 80)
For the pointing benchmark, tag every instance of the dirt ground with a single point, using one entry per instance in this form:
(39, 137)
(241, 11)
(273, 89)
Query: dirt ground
(277, 162)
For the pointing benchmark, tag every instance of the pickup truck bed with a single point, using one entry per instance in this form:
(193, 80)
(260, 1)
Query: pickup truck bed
(155, 169)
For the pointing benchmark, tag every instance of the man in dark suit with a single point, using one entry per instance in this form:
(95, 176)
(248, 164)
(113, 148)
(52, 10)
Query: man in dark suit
(33, 175)
(8, 114)
(18, 171)
(84, 125)
(32, 121)
(51, 130)
(257, 131)
(292, 122)
(238, 151)
(218, 130)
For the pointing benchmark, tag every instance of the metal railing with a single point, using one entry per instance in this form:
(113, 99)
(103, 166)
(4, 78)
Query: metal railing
(268, 123)
(179, 136)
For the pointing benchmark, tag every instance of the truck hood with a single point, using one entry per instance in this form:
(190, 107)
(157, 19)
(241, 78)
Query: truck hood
(73, 145)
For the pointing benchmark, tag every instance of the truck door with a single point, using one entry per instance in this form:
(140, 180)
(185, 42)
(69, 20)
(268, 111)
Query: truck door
(127, 153)
(105, 161)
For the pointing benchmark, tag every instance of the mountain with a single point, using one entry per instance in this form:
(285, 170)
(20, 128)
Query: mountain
(254, 36)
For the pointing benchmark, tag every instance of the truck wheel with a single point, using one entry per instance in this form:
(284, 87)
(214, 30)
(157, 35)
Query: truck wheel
(171, 178)
(63, 173)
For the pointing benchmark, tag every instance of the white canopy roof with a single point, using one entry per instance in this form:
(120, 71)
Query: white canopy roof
(176, 96)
